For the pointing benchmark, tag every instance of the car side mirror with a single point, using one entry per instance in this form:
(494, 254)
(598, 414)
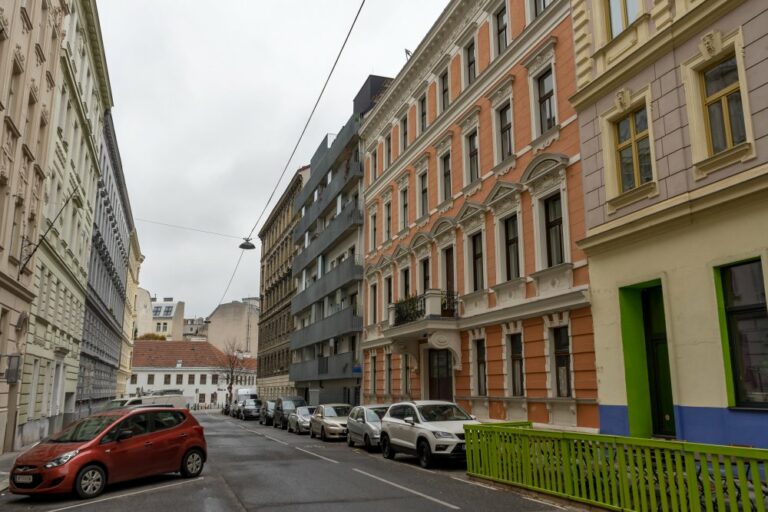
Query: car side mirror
(124, 434)
(409, 420)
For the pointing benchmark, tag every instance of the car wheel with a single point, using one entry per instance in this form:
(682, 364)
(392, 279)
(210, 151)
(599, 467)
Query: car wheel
(425, 454)
(367, 443)
(386, 448)
(90, 481)
(322, 434)
(350, 442)
(192, 463)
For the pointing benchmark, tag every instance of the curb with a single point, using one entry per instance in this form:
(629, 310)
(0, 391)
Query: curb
(3, 484)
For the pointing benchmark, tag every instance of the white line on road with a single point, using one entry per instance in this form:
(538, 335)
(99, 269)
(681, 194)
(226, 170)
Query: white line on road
(275, 440)
(126, 495)
(316, 455)
(470, 482)
(406, 489)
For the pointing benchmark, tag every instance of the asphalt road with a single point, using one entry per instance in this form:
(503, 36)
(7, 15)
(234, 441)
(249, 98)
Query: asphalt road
(255, 468)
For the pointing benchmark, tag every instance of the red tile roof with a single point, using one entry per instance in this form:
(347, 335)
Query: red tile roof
(192, 354)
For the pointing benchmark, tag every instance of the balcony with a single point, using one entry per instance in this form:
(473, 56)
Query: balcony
(347, 271)
(349, 218)
(432, 304)
(324, 368)
(337, 324)
(327, 198)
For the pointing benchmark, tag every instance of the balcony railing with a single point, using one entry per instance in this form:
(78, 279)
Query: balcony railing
(338, 323)
(324, 368)
(351, 269)
(431, 304)
(349, 218)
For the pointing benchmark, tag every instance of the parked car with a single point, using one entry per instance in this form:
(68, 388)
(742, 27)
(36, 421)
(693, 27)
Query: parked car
(166, 400)
(364, 425)
(298, 420)
(225, 409)
(329, 421)
(251, 409)
(283, 408)
(109, 447)
(425, 428)
(267, 413)
(234, 410)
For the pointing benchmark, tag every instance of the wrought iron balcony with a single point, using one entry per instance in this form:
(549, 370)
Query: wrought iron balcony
(430, 305)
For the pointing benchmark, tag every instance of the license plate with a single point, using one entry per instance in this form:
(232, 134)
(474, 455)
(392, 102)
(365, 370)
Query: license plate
(23, 479)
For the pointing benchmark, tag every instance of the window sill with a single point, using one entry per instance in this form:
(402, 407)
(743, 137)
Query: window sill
(644, 191)
(722, 159)
(546, 139)
(510, 292)
(506, 165)
(475, 302)
(553, 279)
(472, 187)
(628, 38)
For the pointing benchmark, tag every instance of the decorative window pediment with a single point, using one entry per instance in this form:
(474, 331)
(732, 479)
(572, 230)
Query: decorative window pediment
(504, 197)
(386, 194)
(420, 165)
(402, 180)
(471, 215)
(471, 120)
(402, 257)
(502, 92)
(421, 245)
(444, 143)
(541, 57)
(442, 63)
(545, 171)
(443, 232)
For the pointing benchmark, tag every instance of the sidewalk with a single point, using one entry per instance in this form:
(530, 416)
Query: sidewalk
(6, 463)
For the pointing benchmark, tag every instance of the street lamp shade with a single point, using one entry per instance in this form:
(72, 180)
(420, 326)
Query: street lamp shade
(247, 244)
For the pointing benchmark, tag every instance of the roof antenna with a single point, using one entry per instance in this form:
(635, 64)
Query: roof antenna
(408, 54)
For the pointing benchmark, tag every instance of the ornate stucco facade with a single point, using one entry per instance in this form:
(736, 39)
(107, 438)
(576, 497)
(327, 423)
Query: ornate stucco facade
(277, 288)
(30, 82)
(475, 289)
(47, 397)
(674, 142)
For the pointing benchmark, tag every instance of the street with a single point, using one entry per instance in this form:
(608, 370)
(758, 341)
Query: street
(253, 467)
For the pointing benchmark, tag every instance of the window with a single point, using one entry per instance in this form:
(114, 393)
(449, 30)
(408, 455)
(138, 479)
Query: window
(445, 163)
(425, 275)
(156, 310)
(157, 327)
(423, 194)
(374, 165)
(201, 398)
(406, 373)
(215, 379)
(546, 97)
(405, 275)
(469, 56)
(423, 113)
(165, 326)
(404, 133)
(541, 5)
(477, 261)
(511, 248)
(553, 217)
(191, 378)
(724, 114)
(179, 378)
(622, 14)
(167, 379)
(387, 221)
(134, 378)
(562, 347)
(388, 289)
(167, 419)
(633, 150)
(151, 379)
(203, 379)
(374, 306)
(744, 300)
(388, 363)
(373, 373)
(473, 159)
(445, 98)
(404, 208)
(388, 149)
(505, 130)
(501, 30)
(480, 373)
(516, 364)
(373, 232)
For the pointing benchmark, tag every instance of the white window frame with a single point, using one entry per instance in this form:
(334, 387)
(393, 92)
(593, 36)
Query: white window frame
(422, 210)
(420, 283)
(470, 123)
(475, 335)
(403, 219)
(373, 289)
(501, 245)
(539, 193)
(500, 97)
(401, 282)
(372, 211)
(467, 36)
(551, 322)
(469, 285)
(387, 222)
(493, 9)
(441, 104)
(508, 330)
(422, 95)
(537, 65)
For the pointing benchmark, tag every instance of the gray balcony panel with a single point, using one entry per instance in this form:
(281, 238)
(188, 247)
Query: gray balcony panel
(347, 271)
(324, 368)
(349, 218)
(338, 324)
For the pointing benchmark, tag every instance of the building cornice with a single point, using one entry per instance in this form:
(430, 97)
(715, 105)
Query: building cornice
(100, 60)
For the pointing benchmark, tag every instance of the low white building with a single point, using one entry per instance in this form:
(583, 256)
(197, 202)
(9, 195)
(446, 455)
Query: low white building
(197, 368)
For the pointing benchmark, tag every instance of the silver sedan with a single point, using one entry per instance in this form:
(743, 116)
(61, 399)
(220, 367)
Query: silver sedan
(364, 425)
(329, 421)
(298, 420)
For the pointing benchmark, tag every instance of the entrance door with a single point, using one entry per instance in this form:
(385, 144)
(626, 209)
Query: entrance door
(440, 375)
(449, 285)
(660, 382)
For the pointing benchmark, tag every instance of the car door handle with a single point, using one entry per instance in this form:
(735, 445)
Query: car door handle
(148, 444)
(184, 435)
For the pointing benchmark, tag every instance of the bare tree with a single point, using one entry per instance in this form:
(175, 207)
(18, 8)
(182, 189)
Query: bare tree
(231, 364)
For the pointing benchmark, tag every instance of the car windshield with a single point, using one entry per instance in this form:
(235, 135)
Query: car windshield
(337, 410)
(83, 430)
(288, 404)
(443, 412)
(115, 404)
(251, 403)
(375, 415)
(305, 412)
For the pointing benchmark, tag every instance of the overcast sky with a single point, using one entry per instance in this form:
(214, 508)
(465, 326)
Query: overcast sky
(209, 103)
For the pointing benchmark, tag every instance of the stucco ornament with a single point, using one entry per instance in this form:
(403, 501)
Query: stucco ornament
(450, 340)
(623, 99)
(711, 44)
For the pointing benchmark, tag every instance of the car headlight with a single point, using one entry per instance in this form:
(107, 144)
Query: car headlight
(443, 435)
(62, 459)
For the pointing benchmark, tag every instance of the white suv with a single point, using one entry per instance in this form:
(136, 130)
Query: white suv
(426, 428)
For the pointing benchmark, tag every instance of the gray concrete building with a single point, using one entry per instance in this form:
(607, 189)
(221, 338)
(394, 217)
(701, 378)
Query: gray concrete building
(328, 265)
(105, 302)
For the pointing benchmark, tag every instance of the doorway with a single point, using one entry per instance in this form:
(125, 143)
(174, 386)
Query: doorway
(440, 375)
(657, 357)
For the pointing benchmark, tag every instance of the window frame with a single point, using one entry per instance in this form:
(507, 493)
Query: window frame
(404, 133)
(498, 31)
(470, 64)
(721, 97)
(422, 111)
(554, 223)
(473, 155)
(556, 353)
(387, 151)
(632, 142)
(480, 367)
(626, 22)
(423, 184)
(404, 209)
(387, 221)
(425, 274)
(549, 98)
(506, 221)
(477, 255)
(373, 303)
(444, 81)
(446, 192)
(502, 128)
(512, 356)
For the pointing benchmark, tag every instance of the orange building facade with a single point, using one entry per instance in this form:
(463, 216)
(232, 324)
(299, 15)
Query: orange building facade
(475, 290)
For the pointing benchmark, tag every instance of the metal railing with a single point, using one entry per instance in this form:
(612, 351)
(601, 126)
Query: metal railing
(350, 269)
(620, 473)
(409, 309)
(449, 305)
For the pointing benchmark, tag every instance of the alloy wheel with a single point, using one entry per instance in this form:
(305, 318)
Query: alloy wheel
(91, 482)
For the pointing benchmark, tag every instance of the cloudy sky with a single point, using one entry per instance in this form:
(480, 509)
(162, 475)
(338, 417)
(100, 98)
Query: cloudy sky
(209, 103)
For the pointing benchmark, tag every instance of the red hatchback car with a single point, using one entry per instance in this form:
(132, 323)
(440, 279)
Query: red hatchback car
(109, 447)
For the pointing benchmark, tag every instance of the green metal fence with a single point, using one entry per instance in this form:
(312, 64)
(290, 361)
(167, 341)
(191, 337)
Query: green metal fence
(620, 473)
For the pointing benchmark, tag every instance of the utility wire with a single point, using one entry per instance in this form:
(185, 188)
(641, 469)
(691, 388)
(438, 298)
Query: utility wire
(295, 148)
(176, 226)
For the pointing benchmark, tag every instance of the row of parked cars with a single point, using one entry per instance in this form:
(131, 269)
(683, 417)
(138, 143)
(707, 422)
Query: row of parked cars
(429, 429)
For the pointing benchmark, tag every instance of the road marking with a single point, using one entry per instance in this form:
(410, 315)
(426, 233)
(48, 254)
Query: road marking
(549, 504)
(126, 495)
(276, 440)
(406, 489)
(471, 482)
(316, 455)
